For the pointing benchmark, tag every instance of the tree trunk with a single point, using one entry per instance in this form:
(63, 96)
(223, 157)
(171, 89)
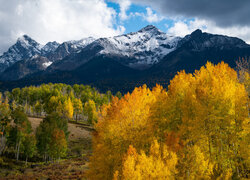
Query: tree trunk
(17, 157)
(26, 160)
(16, 150)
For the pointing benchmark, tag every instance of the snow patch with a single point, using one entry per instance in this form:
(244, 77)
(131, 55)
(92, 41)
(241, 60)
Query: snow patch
(47, 64)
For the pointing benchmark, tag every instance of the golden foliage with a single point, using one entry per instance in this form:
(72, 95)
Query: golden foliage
(159, 164)
(203, 118)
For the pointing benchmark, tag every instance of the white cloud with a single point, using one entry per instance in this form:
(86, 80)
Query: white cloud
(124, 6)
(149, 16)
(182, 28)
(60, 20)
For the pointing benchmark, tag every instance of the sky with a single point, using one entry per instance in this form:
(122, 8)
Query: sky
(63, 20)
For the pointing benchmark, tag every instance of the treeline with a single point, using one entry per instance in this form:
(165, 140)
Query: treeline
(79, 100)
(197, 129)
(57, 104)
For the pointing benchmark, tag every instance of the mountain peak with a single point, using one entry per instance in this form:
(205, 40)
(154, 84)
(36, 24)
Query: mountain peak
(149, 28)
(26, 41)
(24, 37)
(197, 32)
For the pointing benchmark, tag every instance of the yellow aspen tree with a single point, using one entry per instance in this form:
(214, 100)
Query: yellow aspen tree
(159, 164)
(193, 164)
(122, 123)
(68, 109)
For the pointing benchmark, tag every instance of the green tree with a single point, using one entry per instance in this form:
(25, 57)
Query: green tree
(118, 94)
(90, 111)
(19, 130)
(16, 94)
(45, 135)
(38, 108)
(29, 146)
(57, 144)
(78, 108)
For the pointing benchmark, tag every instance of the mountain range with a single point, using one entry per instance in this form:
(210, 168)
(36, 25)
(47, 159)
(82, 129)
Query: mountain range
(116, 63)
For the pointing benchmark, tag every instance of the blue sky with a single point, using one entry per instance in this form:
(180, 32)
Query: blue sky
(136, 22)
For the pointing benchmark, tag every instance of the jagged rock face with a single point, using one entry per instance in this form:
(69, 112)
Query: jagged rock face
(24, 48)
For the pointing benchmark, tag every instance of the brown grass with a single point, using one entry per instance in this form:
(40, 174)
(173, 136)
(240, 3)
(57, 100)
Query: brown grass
(77, 131)
(67, 169)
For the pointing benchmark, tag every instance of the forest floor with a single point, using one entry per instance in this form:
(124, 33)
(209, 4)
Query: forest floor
(73, 166)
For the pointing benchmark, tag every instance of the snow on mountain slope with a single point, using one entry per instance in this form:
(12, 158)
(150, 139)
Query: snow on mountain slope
(24, 48)
(146, 46)
(68, 47)
(49, 47)
(79, 44)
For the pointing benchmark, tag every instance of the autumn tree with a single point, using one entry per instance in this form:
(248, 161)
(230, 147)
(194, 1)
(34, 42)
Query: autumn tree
(122, 123)
(78, 108)
(90, 111)
(160, 163)
(203, 118)
(68, 109)
(193, 164)
(208, 109)
(4, 122)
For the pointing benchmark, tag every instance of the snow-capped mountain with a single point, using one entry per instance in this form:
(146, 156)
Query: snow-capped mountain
(138, 50)
(68, 47)
(24, 48)
(146, 47)
(121, 62)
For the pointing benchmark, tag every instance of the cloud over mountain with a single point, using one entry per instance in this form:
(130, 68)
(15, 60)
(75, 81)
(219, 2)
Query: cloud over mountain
(58, 20)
